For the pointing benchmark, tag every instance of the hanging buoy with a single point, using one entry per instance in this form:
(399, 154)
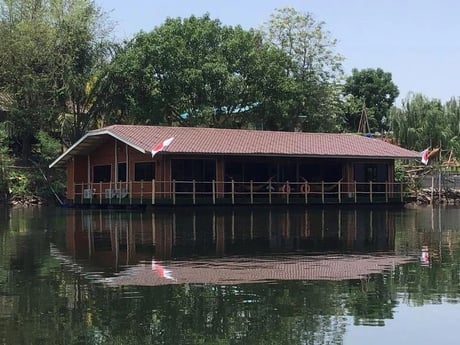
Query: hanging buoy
(305, 188)
(286, 188)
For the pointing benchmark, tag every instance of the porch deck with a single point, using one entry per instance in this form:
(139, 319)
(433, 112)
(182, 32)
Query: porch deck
(205, 193)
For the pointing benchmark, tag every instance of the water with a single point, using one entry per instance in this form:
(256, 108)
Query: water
(230, 276)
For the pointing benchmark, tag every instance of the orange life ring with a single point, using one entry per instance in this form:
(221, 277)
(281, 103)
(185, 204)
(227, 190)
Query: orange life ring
(305, 188)
(286, 188)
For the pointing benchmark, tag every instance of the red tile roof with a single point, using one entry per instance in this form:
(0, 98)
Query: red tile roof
(208, 141)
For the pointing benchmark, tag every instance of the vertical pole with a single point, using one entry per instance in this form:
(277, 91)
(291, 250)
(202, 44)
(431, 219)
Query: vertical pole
(432, 189)
(287, 192)
(306, 191)
(194, 190)
(110, 195)
(174, 191)
(401, 186)
(100, 193)
(356, 194)
(339, 190)
(322, 191)
(387, 188)
(130, 184)
(213, 192)
(252, 197)
(370, 191)
(153, 192)
(233, 192)
(439, 185)
(142, 190)
(270, 192)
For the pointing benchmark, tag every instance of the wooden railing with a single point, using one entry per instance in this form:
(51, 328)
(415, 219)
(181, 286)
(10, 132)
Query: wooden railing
(236, 192)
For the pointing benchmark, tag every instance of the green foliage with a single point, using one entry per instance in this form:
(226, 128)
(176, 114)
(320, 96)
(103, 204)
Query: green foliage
(374, 89)
(47, 148)
(48, 53)
(5, 163)
(196, 72)
(20, 183)
(315, 70)
(422, 122)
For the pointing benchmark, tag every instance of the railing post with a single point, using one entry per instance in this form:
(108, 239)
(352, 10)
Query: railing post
(233, 192)
(100, 193)
(213, 192)
(174, 191)
(402, 192)
(288, 190)
(356, 194)
(153, 192)
(386, 191)
(270, 192)
(339, 190)
(194, 191)
(306, 191)
(129, 188)
(370, 191)
(322, 191)
(251, 191)
(142, 190)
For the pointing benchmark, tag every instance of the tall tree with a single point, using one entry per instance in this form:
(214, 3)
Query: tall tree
(315, 69)
(195, 71)
(374, 89)
(47, 55)
(421, 122)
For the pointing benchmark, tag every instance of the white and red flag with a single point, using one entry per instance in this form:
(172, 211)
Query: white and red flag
(161, 146)
(425, 153)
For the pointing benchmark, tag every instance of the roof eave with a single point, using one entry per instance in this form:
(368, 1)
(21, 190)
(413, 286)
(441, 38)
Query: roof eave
(92, 134)
(293, 155)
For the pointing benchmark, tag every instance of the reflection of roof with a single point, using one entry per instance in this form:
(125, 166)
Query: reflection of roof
(214, 141)
(253, 270)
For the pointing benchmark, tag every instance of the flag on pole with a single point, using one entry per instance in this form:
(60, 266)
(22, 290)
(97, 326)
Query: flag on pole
(161, 146)
(425, 153)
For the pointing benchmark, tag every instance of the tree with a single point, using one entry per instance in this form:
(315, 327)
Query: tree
(421, 122)
(195, 71)
(82, 53)
(48, 53)
(315, 69)
(374, 89)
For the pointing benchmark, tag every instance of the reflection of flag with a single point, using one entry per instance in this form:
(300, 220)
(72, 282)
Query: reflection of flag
(161, 271)
(161, 146)
(425, 154)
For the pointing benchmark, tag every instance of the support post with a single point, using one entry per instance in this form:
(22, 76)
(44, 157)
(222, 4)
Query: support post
(194, 191)
(213, 192)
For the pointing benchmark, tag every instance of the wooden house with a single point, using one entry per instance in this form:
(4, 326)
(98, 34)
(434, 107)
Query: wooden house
(115, 166)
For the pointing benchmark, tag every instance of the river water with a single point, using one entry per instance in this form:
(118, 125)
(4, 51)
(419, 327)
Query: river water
(230, 276)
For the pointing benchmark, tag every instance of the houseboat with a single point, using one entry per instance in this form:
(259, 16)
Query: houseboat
(126, 165)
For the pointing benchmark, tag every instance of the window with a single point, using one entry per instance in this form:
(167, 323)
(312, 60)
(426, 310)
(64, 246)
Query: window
(144, 171)
(193, 169)
(121, 170)
(101, 173)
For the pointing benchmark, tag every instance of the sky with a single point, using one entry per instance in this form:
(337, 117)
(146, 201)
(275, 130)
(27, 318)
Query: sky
(417, 41)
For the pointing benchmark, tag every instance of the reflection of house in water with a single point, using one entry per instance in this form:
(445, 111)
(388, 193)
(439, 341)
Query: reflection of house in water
(113, 239)
(222, 246)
